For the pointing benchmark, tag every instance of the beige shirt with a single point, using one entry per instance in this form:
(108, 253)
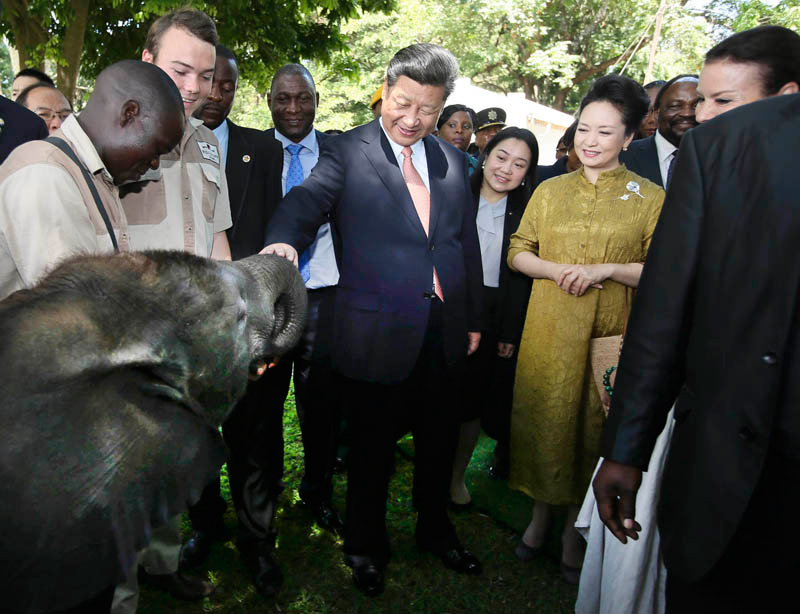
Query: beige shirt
(47, 212)
(184, 202)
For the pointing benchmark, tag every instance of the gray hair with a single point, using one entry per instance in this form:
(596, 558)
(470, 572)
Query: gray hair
(424, 63)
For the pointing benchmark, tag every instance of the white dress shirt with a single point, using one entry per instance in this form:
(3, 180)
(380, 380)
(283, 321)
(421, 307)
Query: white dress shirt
(490, 222)
(665, 151)
(322, 259)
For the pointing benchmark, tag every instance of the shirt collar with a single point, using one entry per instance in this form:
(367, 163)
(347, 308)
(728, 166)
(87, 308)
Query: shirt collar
(221, 131)
(416, 148)
(664, 148)
(309, 141)
(83, 146)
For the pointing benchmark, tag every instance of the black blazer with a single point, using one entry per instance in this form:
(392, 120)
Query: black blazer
(514, 287)
(19, 125)
(253, 169)
(558, 168)
(710, 326)
(386, 260)
(642, 159)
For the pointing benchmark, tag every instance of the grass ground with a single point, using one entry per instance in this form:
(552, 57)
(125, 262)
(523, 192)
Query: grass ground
(317, 581)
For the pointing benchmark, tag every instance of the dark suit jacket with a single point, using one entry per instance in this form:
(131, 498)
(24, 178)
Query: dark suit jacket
(642, 159)
(253, 170)
(558, 168)
(386, 260)
(19, 126)
(710, 324)
(514, 287)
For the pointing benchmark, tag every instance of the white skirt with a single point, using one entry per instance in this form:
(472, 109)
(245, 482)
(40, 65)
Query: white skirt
(625, 578)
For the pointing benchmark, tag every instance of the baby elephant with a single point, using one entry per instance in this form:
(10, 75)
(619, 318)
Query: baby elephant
(117, 372)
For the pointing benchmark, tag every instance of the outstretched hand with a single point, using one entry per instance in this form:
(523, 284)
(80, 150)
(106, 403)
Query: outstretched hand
(284, 250)
(615, 487)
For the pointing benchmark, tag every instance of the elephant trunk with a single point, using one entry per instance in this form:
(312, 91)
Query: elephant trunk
(279, 290)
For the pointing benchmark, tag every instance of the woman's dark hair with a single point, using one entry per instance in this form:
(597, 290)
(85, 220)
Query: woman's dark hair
(451, 110)
(775, 49)
(568, 138)
(627, 96)
(512, 132)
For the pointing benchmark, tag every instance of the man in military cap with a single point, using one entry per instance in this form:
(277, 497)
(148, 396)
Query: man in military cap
(490, 122)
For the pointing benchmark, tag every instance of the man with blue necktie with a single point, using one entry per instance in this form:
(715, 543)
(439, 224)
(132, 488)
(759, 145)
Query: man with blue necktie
(257, 429)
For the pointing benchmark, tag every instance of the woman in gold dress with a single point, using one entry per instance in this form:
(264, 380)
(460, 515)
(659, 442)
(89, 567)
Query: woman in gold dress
(582, 239)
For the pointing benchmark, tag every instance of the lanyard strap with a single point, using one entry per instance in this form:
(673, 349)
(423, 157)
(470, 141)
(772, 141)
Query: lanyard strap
(62, 145)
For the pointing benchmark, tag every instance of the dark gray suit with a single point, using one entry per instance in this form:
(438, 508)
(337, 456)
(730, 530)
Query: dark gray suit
(642, 159)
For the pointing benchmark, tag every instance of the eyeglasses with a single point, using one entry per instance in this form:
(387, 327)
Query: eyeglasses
(49, 114)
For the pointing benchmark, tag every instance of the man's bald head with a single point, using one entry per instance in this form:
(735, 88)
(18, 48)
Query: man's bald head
(135, 80)
(134, 115)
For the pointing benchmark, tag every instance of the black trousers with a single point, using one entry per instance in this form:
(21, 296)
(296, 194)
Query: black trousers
(425, 403)
(758, 570)
(254, 434)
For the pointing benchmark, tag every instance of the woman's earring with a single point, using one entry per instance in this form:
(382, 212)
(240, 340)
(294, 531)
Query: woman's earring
(483, 165)
(625, 148)
(523, 182)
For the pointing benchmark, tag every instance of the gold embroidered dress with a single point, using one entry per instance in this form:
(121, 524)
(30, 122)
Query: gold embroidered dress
(557, 416)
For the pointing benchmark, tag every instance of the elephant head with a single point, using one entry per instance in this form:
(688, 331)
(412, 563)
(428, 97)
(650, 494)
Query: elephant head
(118, 371)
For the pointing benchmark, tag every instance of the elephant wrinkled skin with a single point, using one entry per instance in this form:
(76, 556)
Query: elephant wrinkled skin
(117, 372)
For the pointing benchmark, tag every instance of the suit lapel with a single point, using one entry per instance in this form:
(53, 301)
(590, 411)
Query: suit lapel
(437, 168)
(651, 159)
(379, 153)
(237, 171)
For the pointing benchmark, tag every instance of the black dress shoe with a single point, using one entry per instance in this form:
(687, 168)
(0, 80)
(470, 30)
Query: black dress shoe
(326, 516)
(267, 575)
(196, 549)
(367, 575)
(179, 584)
(459, 560)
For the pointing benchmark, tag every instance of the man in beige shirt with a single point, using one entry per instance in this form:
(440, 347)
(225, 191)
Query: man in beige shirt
(47, 211)
(185, 204)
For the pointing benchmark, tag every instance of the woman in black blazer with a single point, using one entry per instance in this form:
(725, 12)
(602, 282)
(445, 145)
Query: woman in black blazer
(501, 188)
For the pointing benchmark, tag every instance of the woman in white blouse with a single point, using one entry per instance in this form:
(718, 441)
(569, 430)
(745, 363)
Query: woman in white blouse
(501, 187)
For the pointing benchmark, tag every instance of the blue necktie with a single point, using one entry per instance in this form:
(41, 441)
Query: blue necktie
(671, 168)
(294, 176)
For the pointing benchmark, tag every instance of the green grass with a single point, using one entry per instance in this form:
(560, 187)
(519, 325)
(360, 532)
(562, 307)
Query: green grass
(316, 579)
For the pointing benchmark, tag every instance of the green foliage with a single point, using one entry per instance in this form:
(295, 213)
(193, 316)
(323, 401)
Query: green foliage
(738, 15)
(6, 73)
(263, 33)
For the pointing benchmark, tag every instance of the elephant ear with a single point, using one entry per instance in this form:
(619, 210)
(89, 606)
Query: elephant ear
(89, 466)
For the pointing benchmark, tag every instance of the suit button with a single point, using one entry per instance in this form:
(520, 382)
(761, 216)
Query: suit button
(431, 247)
(746, 434)
(769, 359)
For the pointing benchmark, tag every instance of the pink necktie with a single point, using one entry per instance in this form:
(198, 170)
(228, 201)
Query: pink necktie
(422, 203)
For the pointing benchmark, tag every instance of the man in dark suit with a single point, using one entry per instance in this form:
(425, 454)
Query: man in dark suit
(716, 323)
(18, 125)
(293, 101)
(409, 291)
(653, 157)
(259, 166)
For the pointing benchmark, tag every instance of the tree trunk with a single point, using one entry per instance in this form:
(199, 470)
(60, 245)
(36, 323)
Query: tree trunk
(28, 34)
(560, 98)
(72, 47)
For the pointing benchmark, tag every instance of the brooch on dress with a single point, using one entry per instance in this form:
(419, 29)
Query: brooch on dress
(631, 187)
